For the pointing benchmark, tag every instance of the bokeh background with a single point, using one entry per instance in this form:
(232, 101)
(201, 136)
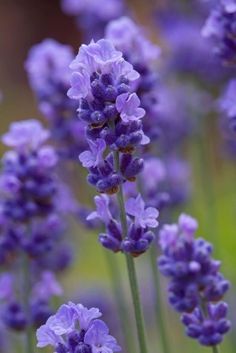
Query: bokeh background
(213, 200)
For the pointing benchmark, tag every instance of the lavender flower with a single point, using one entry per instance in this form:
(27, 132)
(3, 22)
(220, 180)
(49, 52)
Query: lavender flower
(47, 66)
(208, 330)
(130, 39)
(102, 83)
(31, 223)
(29, 135)
(139, 236)
(220, 27)
(195, 280)
(144, 217)
(61, 332)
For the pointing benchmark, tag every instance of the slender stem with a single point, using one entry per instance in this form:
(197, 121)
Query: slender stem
(216, 349)
(160, 317)
(120, 302)
(131, 269)
(29, 341)
(136, 303)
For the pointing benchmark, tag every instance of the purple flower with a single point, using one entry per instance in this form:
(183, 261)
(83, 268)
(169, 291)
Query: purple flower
(9, 184)
(168, 236)
(91, 335)
(47, 336)
(154, 172)
(32, 222)
(144, 217)
(99, 339)
(48, 70)
(129, 38)
(103, 212)
(28, 134)
(46, 59)
(209, 331)
(230, 5)
(85, 315)
(94, 157)
(47, 287)
(129, 107)
(102, 83)
(195, 280)
(47, 157)
(99, 57)
(220, 27)
(187, 224)
(63, 322)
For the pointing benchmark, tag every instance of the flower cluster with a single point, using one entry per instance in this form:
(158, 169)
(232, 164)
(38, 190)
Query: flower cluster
(92, 16)
(220, 26)
(103, 83)
(47, 66)
(139, 219)
(77, 329)
(31, 222)
(196, 282)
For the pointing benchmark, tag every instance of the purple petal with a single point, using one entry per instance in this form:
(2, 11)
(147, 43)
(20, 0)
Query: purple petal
(46, 336)
(87, 159)
(85, 316)
(63, 322)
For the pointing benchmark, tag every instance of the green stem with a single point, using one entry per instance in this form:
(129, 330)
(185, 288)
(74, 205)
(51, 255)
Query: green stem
(29, 340)
(160, 317)
(136, 303)
(131, 269)
(116, 282)
(216, 349)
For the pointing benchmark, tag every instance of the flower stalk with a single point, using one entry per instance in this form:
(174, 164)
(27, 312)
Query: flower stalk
(115, 277)
(160, 319)
(131, 270)
(29, 341)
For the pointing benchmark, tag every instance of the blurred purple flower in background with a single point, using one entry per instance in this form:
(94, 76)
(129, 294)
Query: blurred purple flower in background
(48, 70)
(220, 27)
(32, 224)
(195, 281)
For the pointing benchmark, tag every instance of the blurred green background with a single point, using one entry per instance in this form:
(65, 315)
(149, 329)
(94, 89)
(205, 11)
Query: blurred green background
(213, 202)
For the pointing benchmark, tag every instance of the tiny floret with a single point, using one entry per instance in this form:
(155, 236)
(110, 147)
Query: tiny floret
(28, 134)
